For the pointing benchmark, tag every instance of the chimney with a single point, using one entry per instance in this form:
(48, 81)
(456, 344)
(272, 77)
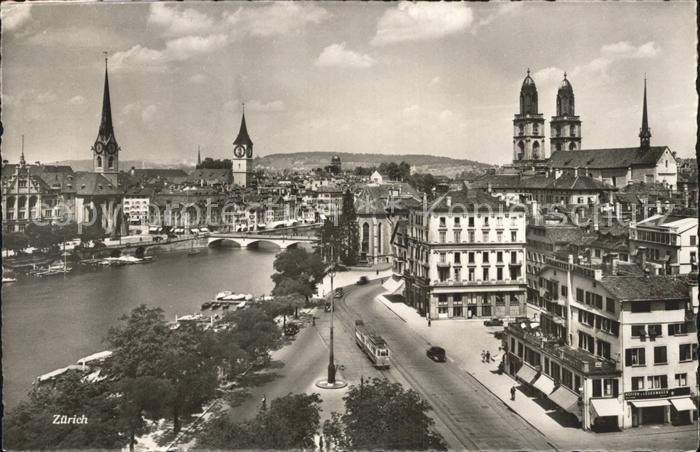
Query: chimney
(571, 258)
(448, 200)
(132, 171)
(576, 172)
(489, 188)
(614, 265)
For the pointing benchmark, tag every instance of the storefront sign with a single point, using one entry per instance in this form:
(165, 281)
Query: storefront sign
(657, 393)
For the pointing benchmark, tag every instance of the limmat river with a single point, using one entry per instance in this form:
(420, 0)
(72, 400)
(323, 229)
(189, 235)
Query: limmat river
(52, 322)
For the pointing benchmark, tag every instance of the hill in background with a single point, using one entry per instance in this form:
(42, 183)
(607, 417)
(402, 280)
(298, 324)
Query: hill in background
(432, 164)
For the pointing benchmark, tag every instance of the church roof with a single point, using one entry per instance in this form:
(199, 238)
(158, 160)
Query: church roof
(243, 137)
(607, 158)
(94, 184)
(565, 85)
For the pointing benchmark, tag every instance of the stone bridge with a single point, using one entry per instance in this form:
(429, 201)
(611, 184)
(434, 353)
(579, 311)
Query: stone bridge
(245, 240)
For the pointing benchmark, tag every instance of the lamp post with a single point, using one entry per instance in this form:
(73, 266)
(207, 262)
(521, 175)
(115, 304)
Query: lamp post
(331, 361)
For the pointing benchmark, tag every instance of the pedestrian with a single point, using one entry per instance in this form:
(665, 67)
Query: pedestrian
(377, 272)
(263, 403)
(512, 393)
(488, 356)
(483, 355)
(428, 321)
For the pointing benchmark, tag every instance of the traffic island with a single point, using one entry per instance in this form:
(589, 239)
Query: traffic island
(338, 384)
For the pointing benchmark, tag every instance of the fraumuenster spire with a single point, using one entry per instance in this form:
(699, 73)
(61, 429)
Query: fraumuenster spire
(645, 131)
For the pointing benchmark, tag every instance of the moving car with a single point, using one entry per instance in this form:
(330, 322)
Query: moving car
(291, 329)
(493, 322)
(363, 280)
(338, 292)
(436, 354)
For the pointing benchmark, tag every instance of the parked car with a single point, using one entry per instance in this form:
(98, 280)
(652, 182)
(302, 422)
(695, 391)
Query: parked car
(436, 354)
(327, 307)
(493, 322)
(339, 293)
(362, 281)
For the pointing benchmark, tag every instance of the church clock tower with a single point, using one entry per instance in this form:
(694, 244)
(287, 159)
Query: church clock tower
(528, 125)
(105, 151)
(565, 126)
(242, 167)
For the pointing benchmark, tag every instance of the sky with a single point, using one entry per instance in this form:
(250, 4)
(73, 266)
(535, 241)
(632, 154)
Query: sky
(377, 77)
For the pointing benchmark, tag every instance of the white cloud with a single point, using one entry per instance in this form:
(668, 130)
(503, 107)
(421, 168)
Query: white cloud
(276, 18)
(45, 98)
(188, 46)
(178, 21)
(76, 100)
(148, 114)
(434, 81)
(255, 105)
(198, 79)
(129, 109)
(502, 10)
(179, 49)
(624, 49)
(15, 15)
(422, 21)
(337, 55)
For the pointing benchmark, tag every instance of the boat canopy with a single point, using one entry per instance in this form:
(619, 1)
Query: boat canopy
(95, 357)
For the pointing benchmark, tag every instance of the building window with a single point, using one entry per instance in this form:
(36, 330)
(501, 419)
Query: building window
(443, 236)
(471, 257)
(458, 258)
(677, 329)
(458, 274)
(110, 162)
(443, 258)
(499, 256)
(485, 274)
(635, 357)
(579, 295)
(485, 257)
(657, 382)
(471, 222)
(637, 383)
(687, 352)
(693, 240)
(639, 331)
(566, 378)
(443, 222)
(681, 380)
(458, 236)
(472, 237)
(456, 222)
(513, 236)
(660, 355)
(603, 349)
(499, 237)
(564, 291)
(485, 237)
(99, 161)
(586, 342)
(471, 274)
(641, 307)
(610, 305)
(499, 274)
(654, 330)
(486, 222)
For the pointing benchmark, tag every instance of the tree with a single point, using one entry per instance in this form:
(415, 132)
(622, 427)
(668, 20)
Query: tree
(139, 397)
(42, 237)
(210, 163)
(382, 415)
(349, 230)
(424, 183)
(329, 238)
(298, 265)
(31, 424)
(289, 423)
(89, 232)
(15, 241)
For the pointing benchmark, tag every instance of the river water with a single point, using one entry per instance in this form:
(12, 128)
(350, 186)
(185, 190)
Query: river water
(51, 323)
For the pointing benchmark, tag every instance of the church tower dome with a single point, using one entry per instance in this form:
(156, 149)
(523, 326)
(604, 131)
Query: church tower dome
(565, 127)
(528, 125)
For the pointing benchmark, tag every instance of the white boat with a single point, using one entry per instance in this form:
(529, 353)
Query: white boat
(100, 356)
(7, 279)
(248, 297)
(234, 297)
(221, 295)
(240, 305)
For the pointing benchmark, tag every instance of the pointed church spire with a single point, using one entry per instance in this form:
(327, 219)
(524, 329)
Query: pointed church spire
(243, 137)
(645, 131)
(22, 161)
(106, 129)
(199, 157)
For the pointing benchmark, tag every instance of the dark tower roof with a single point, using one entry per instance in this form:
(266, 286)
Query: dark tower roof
(645, 131)
(243, 137)
(528, 96)
(106, 128)
(565, 98)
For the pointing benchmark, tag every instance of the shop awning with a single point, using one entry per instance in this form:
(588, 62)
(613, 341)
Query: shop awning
(607, 407)
(650, 403)
(526, 374)
(544, 384)
(566, 400)
(686, 403)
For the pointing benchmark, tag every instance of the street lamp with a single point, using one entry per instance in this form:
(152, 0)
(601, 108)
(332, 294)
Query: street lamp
(331, 361)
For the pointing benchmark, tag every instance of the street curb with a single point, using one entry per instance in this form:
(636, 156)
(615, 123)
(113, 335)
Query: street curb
(380, 298)
(510, 408)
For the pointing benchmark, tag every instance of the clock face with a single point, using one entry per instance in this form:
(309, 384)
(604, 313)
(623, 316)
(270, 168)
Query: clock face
(111, 148)
(239, 151)
(99, 147)
(250, 152)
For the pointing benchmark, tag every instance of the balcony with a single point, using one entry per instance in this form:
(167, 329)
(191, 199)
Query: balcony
(573, 358)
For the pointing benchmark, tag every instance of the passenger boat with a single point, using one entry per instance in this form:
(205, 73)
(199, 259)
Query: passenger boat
(206, 305)
(7, 279)
(221, 295)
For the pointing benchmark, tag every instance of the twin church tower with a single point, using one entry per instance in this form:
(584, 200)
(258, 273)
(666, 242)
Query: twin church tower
(528, 124)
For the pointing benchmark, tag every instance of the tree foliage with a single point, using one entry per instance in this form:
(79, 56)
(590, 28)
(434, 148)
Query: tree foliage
(289, 423)
(382, 415)
(15, 241)
(349, 230)
(30, 425)
(210, 163)
(297, 271)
